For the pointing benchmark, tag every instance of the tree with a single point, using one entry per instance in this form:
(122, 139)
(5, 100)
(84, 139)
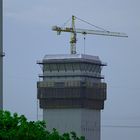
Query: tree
(14, 127)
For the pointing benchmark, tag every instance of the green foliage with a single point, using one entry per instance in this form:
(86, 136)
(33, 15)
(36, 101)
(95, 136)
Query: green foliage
(14, 127)
(18, 128)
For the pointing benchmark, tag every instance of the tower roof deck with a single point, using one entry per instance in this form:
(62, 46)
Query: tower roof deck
(64, 58)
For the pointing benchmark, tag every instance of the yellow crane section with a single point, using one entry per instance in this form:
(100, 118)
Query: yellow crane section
(74, 32)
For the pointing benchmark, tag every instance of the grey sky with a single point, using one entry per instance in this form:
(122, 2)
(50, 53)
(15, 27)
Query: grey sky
(28, 37)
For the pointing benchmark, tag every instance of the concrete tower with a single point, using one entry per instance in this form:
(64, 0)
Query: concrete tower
(1, 54)
(72, 93)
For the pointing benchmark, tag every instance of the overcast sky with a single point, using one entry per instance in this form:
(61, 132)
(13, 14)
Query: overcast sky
(28, 37)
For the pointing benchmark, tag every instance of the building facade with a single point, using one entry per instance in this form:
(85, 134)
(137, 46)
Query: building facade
(72, 94)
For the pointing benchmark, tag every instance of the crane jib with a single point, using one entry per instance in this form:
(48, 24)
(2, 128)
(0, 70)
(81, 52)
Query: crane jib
(86, 31)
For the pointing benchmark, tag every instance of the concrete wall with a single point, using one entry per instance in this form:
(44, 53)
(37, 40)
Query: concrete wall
(83, 121)
(91, 124)
(1, 53)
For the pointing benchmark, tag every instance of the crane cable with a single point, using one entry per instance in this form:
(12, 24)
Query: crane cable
(91, 24)
(65, 23)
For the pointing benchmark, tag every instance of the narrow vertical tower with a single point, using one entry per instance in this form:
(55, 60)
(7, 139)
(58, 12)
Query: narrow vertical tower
(72, 93)
(1, 54)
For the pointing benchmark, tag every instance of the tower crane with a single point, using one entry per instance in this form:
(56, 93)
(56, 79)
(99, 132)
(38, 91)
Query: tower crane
(74, 32)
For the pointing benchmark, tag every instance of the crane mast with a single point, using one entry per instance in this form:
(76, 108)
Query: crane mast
(74, 32)
(73, 37)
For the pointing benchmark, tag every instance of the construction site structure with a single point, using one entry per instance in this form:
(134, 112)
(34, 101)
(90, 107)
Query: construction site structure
(74, 32)
(72, 92)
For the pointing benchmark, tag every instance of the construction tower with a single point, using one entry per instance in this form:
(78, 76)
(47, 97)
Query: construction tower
(72, 93)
